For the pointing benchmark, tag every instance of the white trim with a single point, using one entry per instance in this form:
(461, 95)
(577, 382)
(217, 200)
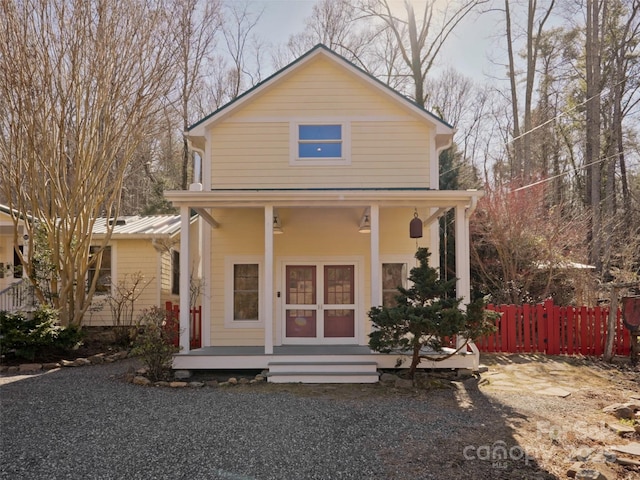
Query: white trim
(185, 263)
(205, 255)
(359, 311)
(229, 263)
(345, 132)
(268, 279)
(375, 287)
(207, 161)
(353, 119)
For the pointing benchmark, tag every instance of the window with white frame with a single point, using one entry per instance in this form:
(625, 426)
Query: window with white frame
(320, 143)
(103, 282)
(243, 302)
(394, 275)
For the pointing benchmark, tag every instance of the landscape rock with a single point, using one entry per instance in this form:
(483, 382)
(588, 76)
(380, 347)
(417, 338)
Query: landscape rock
(3, 368)
(182, 374)
(403, 383)
(388, 378)
(232, 381)
(243, 381)
(260, 378)
(211, 383)
(582, 454)
(619, 410)
(12, 369)
(81, 362)
(177, 384)
(96, 359)
(590, 474)
(140, 380)
(196, 384)
(68, 363)
(161, 383)
(50, 366)
(574, 469)
(621, 429)
(30, 367)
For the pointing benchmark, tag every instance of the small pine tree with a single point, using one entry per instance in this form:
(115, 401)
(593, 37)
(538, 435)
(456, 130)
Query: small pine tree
(425, 314)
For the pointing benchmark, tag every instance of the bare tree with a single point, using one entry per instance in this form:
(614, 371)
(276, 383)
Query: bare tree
(419, 36)
(79, 81)
(198, 24)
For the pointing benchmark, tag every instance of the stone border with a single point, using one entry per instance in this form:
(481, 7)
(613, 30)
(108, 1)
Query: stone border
(98, 359)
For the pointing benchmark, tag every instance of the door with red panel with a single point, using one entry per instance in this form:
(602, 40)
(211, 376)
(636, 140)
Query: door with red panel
(319, 303)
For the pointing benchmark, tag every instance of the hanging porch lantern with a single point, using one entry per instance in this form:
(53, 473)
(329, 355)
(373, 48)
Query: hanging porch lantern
(415, 226)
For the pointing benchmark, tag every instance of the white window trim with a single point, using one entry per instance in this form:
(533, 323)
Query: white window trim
(229, 263)
(409, 260)
(293, 144)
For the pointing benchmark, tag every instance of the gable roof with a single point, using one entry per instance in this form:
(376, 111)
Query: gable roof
(198, 128)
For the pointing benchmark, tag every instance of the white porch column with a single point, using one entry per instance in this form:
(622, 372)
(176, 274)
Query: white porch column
(268, 280)
(185, 262)
(376, 284)
(463, 286)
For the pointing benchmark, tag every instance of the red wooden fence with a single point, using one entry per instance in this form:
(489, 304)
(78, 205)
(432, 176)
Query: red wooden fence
(548, 328)
(195, 326)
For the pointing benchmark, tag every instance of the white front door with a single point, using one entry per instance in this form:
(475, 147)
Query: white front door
(319, 303)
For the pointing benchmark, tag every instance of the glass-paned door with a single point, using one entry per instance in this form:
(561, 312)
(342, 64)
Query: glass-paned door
(339, 299)
(302, 308)
(320, 302)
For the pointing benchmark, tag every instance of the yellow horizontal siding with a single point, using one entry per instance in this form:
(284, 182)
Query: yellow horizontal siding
(389, 146)
(313, 234)
(131, 257)
(383, 155)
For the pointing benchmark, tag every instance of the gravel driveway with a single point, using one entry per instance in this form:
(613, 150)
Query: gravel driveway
(86, 423)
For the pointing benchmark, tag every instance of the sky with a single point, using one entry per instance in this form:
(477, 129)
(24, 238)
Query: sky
(467, 50)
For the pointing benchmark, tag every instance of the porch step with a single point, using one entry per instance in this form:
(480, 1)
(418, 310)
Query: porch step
(323, 372)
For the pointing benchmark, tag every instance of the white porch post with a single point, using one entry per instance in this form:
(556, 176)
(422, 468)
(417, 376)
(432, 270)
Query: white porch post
(376, 283)
(185, 262)
(268, 279)
(463, 286)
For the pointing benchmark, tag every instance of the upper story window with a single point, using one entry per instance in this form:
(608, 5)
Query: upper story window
(320, 144)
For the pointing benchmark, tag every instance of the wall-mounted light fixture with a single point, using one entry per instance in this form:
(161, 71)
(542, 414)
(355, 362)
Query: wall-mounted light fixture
(365, 222)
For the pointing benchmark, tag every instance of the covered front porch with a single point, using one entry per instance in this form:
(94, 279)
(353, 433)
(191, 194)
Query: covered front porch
(317, 281)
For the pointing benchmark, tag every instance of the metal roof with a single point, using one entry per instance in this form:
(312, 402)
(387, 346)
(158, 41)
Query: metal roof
(140, 226)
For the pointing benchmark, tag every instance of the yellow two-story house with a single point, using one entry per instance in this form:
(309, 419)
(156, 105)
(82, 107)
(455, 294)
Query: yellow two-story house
(310, 181)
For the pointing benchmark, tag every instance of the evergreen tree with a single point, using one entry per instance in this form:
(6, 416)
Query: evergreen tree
(425, 315)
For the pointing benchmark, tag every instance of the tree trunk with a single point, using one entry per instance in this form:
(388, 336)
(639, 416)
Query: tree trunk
(592, 146)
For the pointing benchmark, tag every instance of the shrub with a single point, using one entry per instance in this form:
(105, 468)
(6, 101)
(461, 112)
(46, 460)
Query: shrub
(36, 337)
(155, 343)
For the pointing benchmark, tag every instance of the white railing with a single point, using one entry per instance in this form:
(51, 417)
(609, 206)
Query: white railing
(18, 296)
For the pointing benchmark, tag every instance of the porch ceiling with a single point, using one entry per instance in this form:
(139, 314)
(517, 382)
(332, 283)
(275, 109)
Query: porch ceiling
(326, 198)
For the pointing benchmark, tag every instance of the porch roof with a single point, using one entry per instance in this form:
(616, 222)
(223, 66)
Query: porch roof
(323, 197)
